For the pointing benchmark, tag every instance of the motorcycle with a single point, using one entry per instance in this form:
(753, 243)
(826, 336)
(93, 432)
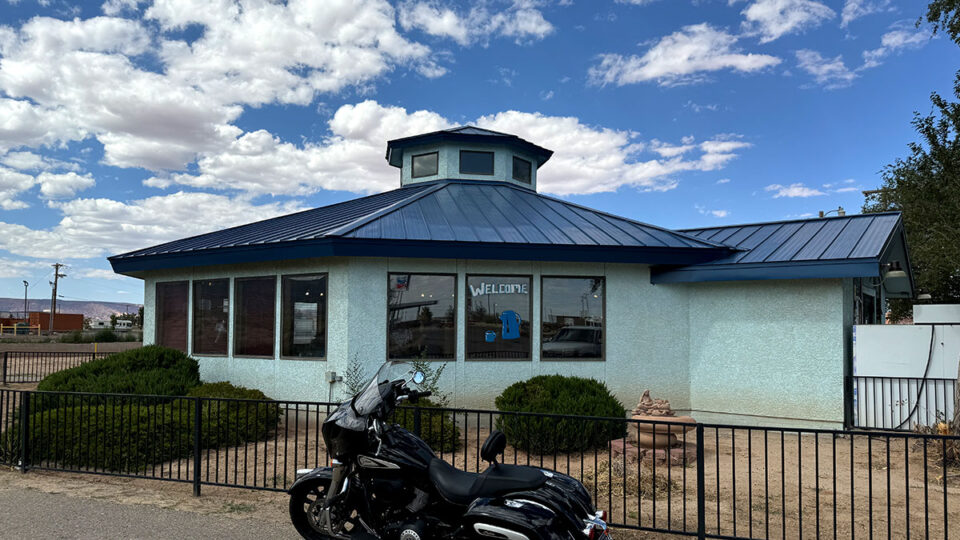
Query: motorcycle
(386, 483)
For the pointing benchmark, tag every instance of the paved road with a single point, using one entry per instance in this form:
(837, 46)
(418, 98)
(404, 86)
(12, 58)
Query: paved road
(32, 514)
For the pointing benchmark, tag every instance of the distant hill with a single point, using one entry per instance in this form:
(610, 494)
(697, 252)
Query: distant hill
(94, 310)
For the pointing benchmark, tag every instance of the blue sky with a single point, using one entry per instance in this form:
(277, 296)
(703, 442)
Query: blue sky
(128, 123)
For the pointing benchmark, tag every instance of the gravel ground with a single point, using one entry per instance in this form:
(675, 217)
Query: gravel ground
(34, 514)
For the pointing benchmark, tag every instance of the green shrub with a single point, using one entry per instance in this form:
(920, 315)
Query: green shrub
(73, 337)
(558, 394)
(437, 428)
(130, 434)
(105, 336)
(151, 370)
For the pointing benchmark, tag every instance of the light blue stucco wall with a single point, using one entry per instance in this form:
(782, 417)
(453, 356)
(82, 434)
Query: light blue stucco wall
(760, 352)
(448, 164)
(767, 352)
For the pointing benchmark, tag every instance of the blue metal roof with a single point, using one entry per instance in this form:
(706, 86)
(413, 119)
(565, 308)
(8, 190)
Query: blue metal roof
(847, 246)
(444, 219)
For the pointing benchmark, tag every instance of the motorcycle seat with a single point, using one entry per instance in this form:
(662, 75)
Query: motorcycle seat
(462, 488)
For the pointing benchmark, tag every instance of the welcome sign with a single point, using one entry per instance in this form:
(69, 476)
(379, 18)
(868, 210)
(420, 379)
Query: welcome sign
(499, 288)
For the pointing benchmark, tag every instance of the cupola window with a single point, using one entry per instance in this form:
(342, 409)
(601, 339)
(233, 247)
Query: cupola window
(521, 170)
(472, 162)
(424, 165)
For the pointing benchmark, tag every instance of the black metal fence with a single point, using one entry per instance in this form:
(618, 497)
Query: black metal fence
(901, 403)
(717, 481)
(33, 366)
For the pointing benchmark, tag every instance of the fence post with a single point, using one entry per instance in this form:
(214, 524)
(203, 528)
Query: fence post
(24, 432)
(6, 354)
(416, 421)
(196, 446)
(848, 402)
(701, 487)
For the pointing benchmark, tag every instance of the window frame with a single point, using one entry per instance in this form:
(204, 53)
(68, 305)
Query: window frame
(456, 317)
(413, 158)
(236, 317)
(194, 298)
(493, 163)
(603, 313)
(529, 179)
(466, 317)
(188, 319)
(326, 319)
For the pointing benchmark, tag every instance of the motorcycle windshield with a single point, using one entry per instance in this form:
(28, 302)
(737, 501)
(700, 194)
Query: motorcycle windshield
(378, 388)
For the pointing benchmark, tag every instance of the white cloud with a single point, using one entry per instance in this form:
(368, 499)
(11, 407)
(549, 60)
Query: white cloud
(12, 184)
(63, 186)
(93, 228)
(680, 58)
(100, 273)
(895, 41)
(771, 19)
(854, 9)
(723, 181)
(521, 21)
(18, 268)
(793, 190)
(29, 161)
(829, 72)
(715, 213)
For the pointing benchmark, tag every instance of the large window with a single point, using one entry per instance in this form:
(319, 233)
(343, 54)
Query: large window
(211, 312)
(522, 170)
(421, 316)
(424, 165)
(255, 306)
(170, 307)
(572, 317)
(498, 317)
(476, 162)
(304, 317)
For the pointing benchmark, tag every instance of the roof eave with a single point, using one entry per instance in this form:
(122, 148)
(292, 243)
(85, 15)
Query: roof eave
(357, 247)
(813, 269)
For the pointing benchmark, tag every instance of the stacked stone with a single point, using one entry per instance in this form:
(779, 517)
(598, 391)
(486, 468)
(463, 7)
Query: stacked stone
(649, 435)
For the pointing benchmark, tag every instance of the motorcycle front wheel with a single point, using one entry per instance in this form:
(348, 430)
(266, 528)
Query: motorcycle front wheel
(306, 513)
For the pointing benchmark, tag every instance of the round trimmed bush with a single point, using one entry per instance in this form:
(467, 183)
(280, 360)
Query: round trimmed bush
(150, 370)
(105, 336)
(560, 395)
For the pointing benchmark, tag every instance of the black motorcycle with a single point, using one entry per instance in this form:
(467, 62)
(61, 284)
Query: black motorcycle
(387, 484)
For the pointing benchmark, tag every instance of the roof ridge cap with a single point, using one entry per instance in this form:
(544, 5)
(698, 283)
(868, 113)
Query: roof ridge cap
(361, 221)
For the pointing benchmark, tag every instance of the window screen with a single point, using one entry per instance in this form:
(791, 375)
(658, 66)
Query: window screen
(521, 170)
(421, 316)
(211, 313)
(171, 312)
(498, 317)
(304, 316)
(572, 315)
(255, 307)
(476, 162)
(424, 165)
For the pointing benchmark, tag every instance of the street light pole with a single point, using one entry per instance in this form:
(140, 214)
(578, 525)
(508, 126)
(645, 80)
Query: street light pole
(26, 315)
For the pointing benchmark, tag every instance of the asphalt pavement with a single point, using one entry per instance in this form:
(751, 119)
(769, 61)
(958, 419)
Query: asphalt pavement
(26, 513)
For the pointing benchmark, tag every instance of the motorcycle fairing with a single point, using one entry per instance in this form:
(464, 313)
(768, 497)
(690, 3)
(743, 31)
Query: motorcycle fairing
(320, 473)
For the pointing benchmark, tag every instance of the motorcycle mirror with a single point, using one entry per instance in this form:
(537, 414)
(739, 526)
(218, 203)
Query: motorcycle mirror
(418, 377)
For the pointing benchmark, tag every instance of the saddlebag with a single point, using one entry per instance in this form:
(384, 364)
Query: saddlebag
(512, 520)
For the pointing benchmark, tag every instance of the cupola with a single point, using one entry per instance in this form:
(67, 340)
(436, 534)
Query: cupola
(467, 153)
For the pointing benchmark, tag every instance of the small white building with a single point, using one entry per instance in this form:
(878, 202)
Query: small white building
(466, 263)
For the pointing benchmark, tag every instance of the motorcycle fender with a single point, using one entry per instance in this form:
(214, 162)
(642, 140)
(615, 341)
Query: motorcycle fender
(322, 473)
(515, 520)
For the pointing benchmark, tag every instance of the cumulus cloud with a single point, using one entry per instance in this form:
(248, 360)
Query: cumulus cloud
(521, 21)
(101, 273)
(854, 9)
(64, 185)
(680, 58)
(894, 42)
(831, 73)
(12, 184)
(715, 213)
(792, 191)
(92, 228)
(587, 160)
(17, 268)
(772, 19)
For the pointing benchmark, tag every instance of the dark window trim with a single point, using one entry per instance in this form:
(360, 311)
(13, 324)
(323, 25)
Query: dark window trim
(413, 174)
(193, 326)
(326, 319)
(493, 163)
(603, 345)
(466, 318)
(456, 317)
(188, 324)
(236, 315)
(529, 179)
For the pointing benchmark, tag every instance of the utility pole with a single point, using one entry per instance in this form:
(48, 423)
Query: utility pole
(26, 314)
(53, 299)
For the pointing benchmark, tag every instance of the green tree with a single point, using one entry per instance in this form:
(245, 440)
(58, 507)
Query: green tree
(944, 15)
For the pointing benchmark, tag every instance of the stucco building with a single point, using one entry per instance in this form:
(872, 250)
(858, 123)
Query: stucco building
(466, 263)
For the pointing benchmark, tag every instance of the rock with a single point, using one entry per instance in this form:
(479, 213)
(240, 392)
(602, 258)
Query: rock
(674, 456)
(619, 446)
(652, 407)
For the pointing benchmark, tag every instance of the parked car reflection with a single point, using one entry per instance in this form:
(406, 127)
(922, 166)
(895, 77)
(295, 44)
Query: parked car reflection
(575, 342)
